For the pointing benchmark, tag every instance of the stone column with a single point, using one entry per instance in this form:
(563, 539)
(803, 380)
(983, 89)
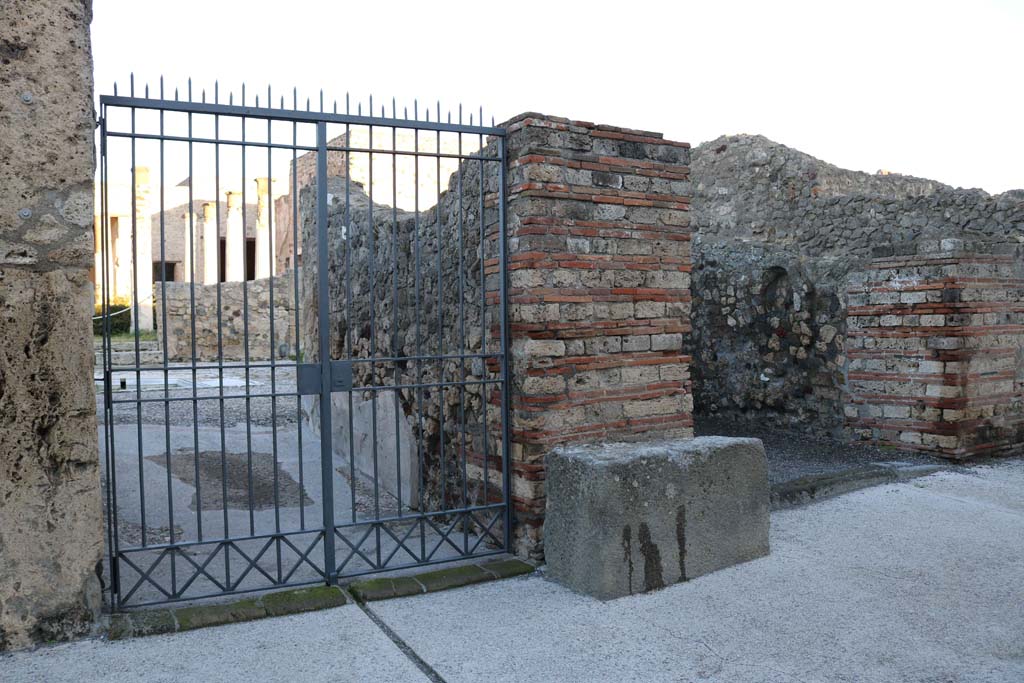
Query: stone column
(191, 239)
(264, 245)
(142, 278)
(599, 294)
(234, 258)
(211, 244)
(51, 524)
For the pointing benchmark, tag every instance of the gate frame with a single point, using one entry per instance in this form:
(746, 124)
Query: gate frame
(325, 383)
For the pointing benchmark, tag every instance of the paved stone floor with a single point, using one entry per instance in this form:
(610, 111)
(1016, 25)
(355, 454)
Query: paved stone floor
(919, 581)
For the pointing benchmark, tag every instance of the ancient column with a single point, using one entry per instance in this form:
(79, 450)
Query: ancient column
(264, 246)
(211, 243)
(190, 245)
(142, 278)
(234, 258)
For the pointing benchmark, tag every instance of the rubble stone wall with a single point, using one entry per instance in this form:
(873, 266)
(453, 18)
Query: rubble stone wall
(231, 333)
(777, 235)
(51, 531)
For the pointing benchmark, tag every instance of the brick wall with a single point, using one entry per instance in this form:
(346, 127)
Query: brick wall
(936, 349)
(599, 297)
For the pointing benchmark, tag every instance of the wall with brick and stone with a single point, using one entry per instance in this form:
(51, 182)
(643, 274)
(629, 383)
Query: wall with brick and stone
(598, 273)
(936, 348)
(777, 234)
(50, 519)
(599, 296)
(230, 334)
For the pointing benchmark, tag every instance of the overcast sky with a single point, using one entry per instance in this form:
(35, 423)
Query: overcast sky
(933, 89)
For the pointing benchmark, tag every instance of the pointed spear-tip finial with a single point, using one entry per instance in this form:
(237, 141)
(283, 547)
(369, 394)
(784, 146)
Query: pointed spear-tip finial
(115, 88)
(131, 84)
(257, 101)
(307, 104)
(175, 94)
(204, 95)
(145, 91)
(295, 98)
(346, 102)
(359, 108)
(405, 112)
(428, 115)
(371, 104)
(460, 113)
(282, 101)
(216, 92)
(161, 86)
(231, 98)
(416, 109)
(471, 118)
(243, 93)
(190, 89)
(321, 99)
(335, 106)
(492, 121)
(394, 109)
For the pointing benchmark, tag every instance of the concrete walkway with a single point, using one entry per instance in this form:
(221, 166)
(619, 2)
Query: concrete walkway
(922, 581)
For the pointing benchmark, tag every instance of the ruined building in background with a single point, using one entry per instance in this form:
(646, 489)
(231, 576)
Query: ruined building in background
(880, 307)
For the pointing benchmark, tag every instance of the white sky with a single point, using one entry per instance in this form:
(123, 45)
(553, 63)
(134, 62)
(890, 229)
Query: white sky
(933, 89)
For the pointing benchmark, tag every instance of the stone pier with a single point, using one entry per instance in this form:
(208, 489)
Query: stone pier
(211, 244)
(234, 256)
(264, 243)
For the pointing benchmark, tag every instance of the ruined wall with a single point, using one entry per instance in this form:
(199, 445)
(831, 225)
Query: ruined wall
(50, 518)
(777, 235)
(394, 292)
(598, 271)
(263, 340)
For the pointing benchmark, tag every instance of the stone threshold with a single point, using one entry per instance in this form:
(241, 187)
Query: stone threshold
(295, 601)
(817, 487)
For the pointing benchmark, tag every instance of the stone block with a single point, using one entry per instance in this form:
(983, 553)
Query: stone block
(630, 518)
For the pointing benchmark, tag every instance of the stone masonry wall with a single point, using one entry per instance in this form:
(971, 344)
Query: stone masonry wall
(599, 274)
(50, 517)
(230, 335)
(936, 347)
(598, 237)
(777, 234)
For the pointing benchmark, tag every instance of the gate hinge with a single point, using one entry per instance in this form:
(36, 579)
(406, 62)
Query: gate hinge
(308, 377)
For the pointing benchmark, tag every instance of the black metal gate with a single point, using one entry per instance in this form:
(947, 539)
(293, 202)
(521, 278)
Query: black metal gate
(306, 378)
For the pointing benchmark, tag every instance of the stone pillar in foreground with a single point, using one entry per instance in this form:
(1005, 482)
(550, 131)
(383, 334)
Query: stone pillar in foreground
(142, 277)
(234, 251)
(264, 243)
(211, 244)
(51, 526)
(599, 295)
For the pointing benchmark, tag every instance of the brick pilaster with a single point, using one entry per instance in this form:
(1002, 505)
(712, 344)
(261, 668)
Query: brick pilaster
(936, 350)
(599, 297)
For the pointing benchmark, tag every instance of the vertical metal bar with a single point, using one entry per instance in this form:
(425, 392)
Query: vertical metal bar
(462, 349)
(440, 326)
(297, 304)
(192, 308)
(419, 352)
(395, 350)
(108, 406)
(373, 349)
(220, 348)
(506, 425)
(273, 342)
(484, 388)
(324, 313)
(349, 348)
(135, 314)
(245, 338)
(163, 329)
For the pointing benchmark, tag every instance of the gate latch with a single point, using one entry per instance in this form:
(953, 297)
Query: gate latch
(308, 377)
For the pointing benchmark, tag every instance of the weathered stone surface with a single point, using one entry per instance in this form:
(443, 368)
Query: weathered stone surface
(630, 518)
(50, 518)
(776, 333)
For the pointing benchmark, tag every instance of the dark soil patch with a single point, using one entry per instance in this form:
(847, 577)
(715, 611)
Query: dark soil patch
(213, 466)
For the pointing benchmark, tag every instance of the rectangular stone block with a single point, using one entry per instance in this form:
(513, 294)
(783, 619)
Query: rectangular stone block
(629, 518)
